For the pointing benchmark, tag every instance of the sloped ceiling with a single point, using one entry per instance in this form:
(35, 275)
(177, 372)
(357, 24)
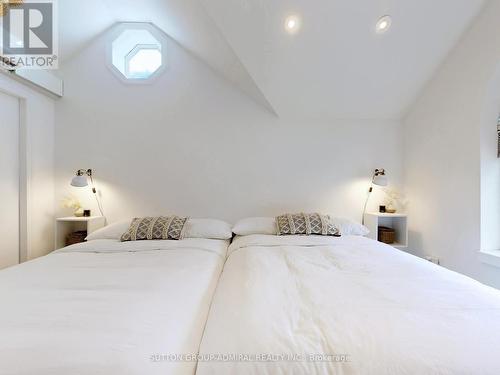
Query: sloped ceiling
(335, 67)
(184, 20)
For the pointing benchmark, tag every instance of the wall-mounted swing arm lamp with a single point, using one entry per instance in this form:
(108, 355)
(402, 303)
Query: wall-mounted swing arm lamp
(81, 180)
(379, 178)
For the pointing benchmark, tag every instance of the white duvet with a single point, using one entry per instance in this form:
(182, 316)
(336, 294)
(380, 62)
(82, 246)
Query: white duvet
(106, 307)
(350, 305)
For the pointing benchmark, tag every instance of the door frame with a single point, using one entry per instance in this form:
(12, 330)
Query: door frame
(24, 178)
(24, 183)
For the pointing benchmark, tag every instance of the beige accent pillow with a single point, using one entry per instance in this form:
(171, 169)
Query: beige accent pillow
(289, 224)
(155, 228)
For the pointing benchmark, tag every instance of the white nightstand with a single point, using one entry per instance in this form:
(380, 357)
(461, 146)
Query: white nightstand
(67, 225)
(398, 222)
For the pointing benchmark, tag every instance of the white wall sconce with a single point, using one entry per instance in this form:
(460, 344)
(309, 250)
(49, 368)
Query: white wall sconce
(81, 180)
(380, 179)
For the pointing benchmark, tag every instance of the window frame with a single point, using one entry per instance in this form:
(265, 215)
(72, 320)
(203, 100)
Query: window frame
(162, 46)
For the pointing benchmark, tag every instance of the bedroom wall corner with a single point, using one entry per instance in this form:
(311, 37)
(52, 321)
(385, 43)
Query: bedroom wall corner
(442, 152)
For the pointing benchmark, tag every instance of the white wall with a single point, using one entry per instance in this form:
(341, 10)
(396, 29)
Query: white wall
(442, 153)
(192, 144)
(37, 116)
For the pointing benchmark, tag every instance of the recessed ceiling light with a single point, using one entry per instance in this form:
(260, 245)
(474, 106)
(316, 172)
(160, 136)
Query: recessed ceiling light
(383, 24)
(292, 24)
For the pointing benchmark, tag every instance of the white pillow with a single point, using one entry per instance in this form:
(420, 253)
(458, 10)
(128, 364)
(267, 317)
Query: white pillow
(110, 232)
(255, 225)
(348, 227)
(194, 228)
(207, 228)
(267, 225)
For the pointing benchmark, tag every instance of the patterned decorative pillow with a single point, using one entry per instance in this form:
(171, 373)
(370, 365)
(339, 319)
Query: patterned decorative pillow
(306, 224)
(155, 228)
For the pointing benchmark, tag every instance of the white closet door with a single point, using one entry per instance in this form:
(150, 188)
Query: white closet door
(9, 180)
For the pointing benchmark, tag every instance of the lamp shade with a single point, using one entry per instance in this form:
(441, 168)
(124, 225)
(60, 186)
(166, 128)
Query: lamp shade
(79, 181)
(380, 180)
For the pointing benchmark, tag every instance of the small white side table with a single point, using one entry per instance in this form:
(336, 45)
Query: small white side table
(67, 225)
(398, 222)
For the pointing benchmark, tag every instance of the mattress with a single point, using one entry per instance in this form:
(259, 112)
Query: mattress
(106, 307)
(349, 305)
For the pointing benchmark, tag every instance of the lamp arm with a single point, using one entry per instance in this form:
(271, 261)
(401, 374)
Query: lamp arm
(94, 190)
(366, 203)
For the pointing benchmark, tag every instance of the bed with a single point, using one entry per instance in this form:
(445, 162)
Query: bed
(107, 307)
(348, 305)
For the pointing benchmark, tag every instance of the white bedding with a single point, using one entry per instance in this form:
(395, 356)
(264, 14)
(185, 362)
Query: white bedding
(362, 306)
(106, 307)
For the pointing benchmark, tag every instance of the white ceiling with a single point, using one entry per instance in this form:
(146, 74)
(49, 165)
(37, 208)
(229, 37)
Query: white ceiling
(184, 20)
(335, 67)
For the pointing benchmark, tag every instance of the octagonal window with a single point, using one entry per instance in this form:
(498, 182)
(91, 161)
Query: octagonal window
(143, 61)
(137, 52)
